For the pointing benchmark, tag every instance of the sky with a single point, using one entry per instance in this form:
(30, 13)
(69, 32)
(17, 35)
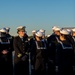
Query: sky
(36, 14)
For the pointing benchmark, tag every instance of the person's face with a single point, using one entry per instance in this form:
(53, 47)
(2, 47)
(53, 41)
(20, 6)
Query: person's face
(21, 33)
(57, 32)
(38, 38)
(33, 34)
(73, 33)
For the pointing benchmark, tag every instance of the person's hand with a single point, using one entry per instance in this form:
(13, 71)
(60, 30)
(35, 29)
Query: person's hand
(24, 57)
(4, 52)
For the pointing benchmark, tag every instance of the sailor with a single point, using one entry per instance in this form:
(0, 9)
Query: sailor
(33, 33)
(64, 54)
(73, 37)
(5, 54)
(43, 32)
(7, 31)
(69, 37)
(9, 36)
(33, 36)
(39, 54)
(43, 35)
(21, 48)
(52, 41)
(54, 35)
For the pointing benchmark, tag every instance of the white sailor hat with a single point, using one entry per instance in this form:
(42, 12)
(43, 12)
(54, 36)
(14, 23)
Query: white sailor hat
(48, 35)
(21, 28)
(33, 31)
(69, 30)
(39, 34)
(64, 32)
(53, 28)
(3, 30)
(57, 29)
(73, 29)
(7, 29)
(42, 30)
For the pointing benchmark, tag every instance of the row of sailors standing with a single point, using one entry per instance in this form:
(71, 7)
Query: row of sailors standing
(61, 52)
(52, 56)
(60, 56)
(37, 47)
